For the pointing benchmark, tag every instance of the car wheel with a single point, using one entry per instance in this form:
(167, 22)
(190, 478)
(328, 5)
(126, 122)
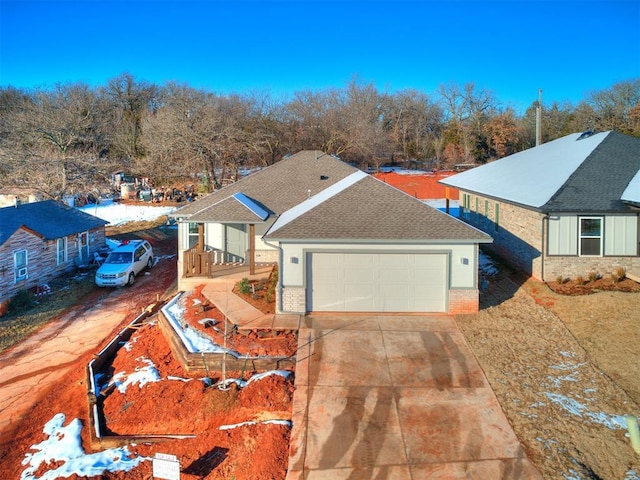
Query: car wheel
(132, 279)
(149, 263)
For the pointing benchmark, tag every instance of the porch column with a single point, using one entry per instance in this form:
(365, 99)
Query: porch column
(252, 249)
(200, 237)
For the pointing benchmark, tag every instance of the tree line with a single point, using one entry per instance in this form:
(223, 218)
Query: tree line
(68, 138)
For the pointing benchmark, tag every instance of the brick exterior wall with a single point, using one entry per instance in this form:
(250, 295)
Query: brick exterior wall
(572, 267)
(519, 239)
(293, 300)
(463, 301)
(517, 234)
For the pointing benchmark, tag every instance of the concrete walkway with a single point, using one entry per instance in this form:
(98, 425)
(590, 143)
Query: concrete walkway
(396, 397)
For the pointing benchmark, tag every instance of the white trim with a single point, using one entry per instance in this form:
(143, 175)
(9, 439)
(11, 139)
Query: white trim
(20, 272)
(65, 252)
(581, 236)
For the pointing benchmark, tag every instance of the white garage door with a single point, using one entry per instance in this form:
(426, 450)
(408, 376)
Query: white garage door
(375, 282)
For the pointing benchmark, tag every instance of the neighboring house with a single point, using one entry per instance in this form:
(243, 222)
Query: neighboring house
(342, 240)
(562, 209)
(41, 240)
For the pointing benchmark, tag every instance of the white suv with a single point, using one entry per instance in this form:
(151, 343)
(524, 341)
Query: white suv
(124, 263)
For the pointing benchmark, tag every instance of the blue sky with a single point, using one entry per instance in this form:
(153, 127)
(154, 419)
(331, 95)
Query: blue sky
(511, 48)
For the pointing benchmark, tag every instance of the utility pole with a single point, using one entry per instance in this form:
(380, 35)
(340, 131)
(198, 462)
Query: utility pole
(539, 119)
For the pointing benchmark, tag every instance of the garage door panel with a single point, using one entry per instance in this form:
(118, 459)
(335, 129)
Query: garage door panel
(377, 282)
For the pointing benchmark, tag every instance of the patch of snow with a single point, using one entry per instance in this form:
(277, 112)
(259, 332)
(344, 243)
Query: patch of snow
(185, 380)
(567, 366)
(556, 381)
(129, 345)
(119, 213)
(578, 409)
(65, 445)
(242, 383)
(441, 204)
(141, 376)
(485, 265)
(193, 340)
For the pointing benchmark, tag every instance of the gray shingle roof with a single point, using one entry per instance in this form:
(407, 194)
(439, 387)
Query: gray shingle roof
(570, 174)
(276, 188)
(49, 219)
(373, 210)
(598, 183)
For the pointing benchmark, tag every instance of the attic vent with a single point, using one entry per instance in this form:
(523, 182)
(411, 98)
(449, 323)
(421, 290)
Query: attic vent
(586, 134)
(324, 177)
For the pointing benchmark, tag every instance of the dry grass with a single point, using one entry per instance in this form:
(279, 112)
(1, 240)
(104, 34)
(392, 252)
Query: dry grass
(130, 227)
(67, 291)
(559, 365)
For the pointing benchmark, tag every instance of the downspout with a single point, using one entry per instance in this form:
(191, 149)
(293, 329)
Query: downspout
(542, 250)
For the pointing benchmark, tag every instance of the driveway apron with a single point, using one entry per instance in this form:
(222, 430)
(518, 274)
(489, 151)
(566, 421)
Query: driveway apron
(396, 397)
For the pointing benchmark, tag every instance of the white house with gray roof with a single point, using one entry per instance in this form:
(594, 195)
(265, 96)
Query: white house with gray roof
(343, 240)
(566, 208)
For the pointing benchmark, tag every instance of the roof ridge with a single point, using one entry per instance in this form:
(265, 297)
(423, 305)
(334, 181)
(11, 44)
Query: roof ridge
(316, 200)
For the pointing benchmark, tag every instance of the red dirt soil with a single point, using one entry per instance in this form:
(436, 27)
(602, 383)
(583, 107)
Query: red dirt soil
(252, 343)
(421, 186)
(169, 406)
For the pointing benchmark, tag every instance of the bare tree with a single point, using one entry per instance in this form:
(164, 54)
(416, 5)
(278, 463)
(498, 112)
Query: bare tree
(130, 102)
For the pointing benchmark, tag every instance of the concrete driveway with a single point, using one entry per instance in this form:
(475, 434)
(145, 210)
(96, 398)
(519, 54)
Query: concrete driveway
(396, 397)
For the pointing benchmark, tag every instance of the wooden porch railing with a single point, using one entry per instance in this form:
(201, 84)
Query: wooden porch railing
(199, 263)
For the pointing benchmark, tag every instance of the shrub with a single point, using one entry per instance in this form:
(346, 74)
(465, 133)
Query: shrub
(268, 296)
(621, 272)
(593, 276)
(560, 280)
(23, 300)
(243, 286)
(580, 280)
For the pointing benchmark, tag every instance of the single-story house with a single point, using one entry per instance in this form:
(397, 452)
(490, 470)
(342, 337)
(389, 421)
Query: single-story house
(343, 240)
(565, 208)
(39, 241)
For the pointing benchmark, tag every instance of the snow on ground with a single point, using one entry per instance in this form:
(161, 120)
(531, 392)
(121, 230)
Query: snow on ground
(193, 340)
(119, 213)
(65, 445)
(441, 204)
(485, 265)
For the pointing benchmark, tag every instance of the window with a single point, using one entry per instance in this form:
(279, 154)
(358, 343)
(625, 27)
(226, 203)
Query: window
(496, 220)
(193, 235)
(486, 213)
(20, 258)
(466, 205)
(61, 250)
(591, 236)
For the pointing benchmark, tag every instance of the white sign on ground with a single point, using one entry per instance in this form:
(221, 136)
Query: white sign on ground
(166, 467)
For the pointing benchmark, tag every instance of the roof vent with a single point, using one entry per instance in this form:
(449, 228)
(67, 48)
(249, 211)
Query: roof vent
(586, 134)
(324, 177)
